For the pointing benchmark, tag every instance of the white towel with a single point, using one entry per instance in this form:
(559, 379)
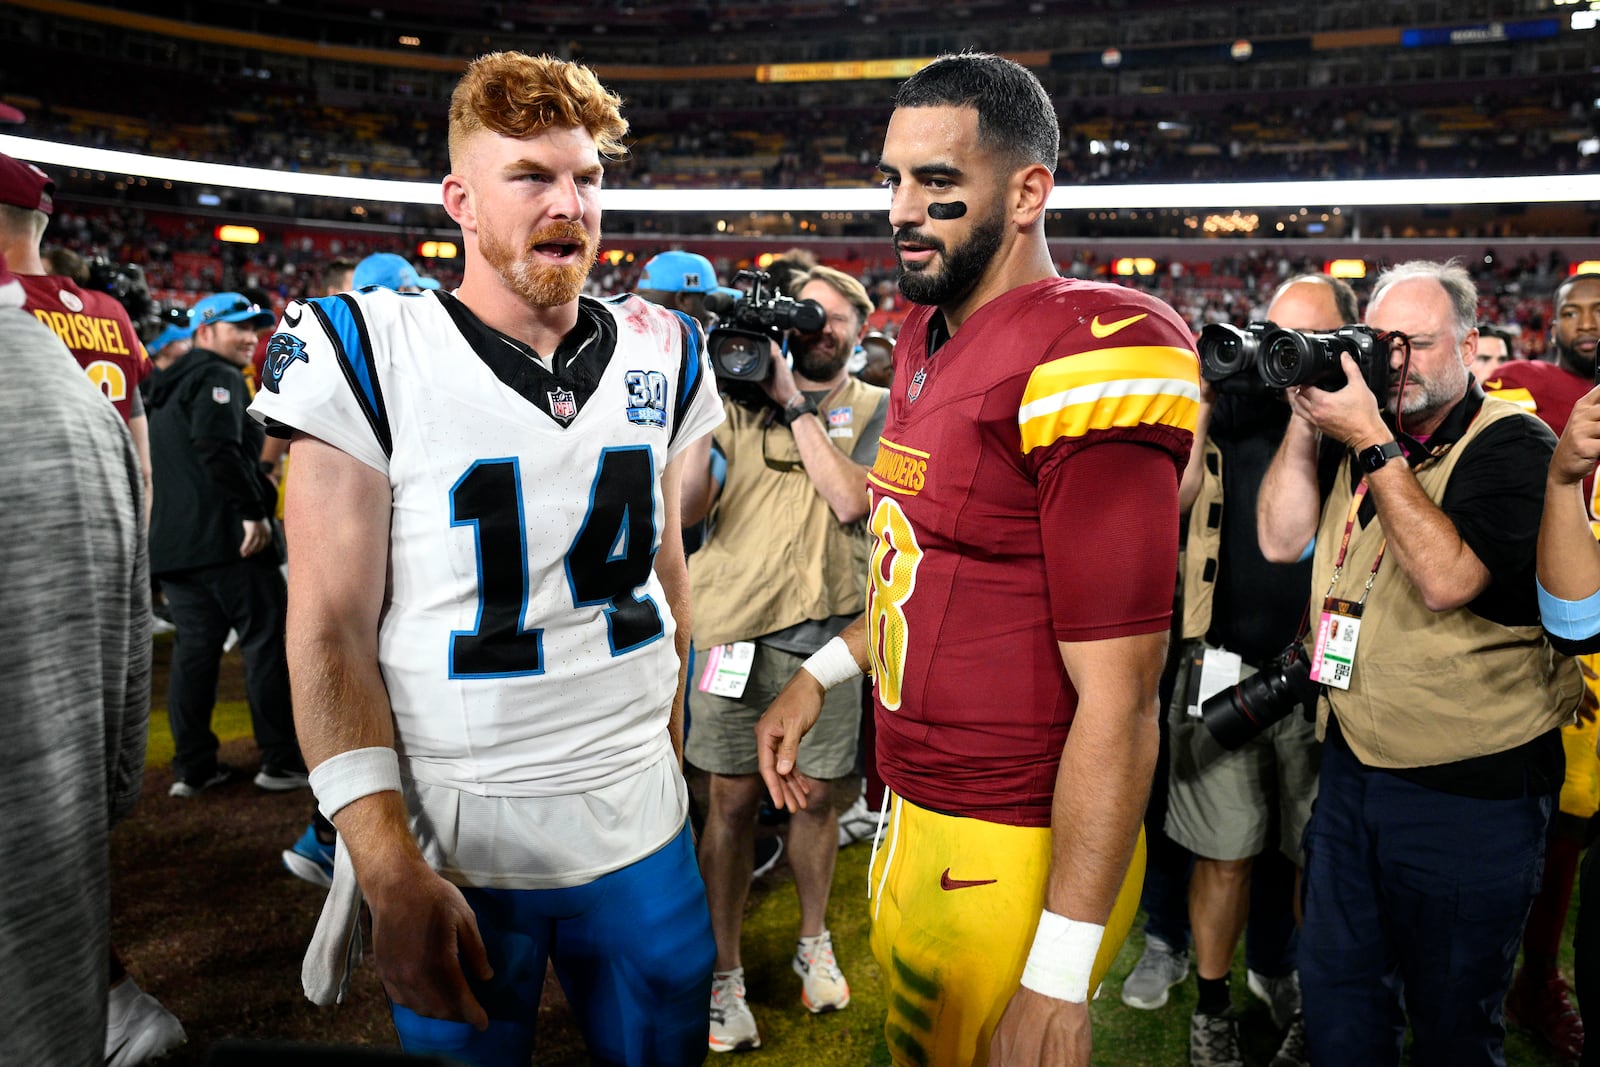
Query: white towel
(335, 949)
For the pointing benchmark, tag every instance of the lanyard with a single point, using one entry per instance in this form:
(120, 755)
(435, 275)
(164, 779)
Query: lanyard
(1344, 545)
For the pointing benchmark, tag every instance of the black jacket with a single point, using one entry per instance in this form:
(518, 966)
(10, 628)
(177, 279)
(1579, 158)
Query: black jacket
(204, 452)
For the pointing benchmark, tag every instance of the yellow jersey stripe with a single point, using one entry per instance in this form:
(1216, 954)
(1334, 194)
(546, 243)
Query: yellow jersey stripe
(1520, 397)
(886, 443)
(1108, 364)
(1097, 410)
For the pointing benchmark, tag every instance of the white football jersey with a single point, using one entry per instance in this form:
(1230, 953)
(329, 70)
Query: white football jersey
(525, 641)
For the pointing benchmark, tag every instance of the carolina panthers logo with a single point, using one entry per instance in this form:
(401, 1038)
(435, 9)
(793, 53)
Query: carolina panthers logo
(282, 350)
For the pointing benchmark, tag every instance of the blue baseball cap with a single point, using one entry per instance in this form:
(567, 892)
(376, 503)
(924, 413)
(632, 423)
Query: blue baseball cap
(391, 272)
(229, 307)
(682, 272)
(169, 333)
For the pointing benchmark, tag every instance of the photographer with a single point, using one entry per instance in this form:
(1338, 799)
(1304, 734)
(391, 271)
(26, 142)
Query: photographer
(1239, 613)
(1442, 698)
(779, 575)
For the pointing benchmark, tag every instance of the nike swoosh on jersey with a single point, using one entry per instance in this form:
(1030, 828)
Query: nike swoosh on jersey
(291, 315)
(1103, 330)
(948, 883)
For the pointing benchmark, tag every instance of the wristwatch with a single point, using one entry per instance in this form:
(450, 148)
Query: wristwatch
(793, 410)
(1371, 459)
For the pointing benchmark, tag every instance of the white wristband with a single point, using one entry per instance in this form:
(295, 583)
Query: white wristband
(832, 664)
(351, 775)
(1062, 957)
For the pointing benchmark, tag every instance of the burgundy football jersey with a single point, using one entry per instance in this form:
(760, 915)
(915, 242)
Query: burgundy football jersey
(1548, 391)
(98, 331)
(971, 586)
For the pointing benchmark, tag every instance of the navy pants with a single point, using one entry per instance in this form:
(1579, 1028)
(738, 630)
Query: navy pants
(1414, 905)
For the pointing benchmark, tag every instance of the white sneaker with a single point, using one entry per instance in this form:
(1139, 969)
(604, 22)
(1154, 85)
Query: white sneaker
(823, 987)
(733, 1028)
(857, 822)
(138, 1028)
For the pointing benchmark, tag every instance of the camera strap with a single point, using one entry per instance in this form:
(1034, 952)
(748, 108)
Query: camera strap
(1339, 625)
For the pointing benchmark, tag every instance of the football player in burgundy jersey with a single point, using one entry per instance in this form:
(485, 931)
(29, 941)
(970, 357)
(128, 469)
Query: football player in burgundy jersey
(1025, 516)
(93, 325)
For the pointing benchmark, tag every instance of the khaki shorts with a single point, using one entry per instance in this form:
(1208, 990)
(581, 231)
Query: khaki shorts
(722, 730)
(1223, 805)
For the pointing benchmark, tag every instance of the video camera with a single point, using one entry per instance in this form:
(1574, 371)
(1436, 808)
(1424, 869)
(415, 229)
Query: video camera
(1262, 358)
(740, 344)
(126, 283)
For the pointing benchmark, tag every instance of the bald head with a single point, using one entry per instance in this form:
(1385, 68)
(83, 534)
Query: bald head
(1309, 304)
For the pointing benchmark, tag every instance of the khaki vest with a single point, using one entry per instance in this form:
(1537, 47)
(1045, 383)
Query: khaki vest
(776, 555)
(1433, 687)
(1203, 550)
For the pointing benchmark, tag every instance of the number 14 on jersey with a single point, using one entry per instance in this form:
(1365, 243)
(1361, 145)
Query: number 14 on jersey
(608, 562)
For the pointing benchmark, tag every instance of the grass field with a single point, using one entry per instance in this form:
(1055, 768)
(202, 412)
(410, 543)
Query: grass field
(209, 921)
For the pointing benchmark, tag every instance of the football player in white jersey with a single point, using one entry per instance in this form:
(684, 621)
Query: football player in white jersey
(489, 605)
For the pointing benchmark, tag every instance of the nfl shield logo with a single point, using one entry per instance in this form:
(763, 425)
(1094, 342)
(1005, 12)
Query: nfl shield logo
(220, 394)
(915, 389)
(563, 405)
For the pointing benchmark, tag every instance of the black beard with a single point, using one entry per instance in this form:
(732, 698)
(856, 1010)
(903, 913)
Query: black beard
(1569, 358)
(963, 266)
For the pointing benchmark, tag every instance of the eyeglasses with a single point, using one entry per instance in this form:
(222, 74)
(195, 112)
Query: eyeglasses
(782, 466)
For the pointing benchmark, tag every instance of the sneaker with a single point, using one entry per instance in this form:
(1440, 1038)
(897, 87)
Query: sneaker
(857, 823)
(769, 850)
(1544, 1008)
(823, 987)
(281, 779)
(1292, 1053)
(1281, 995)
(768, 815)
(158, 625)
(733, 1028)
(310, 860)
(185, 788)
(138, 1028)
(1214, 1040)
(1158, 970)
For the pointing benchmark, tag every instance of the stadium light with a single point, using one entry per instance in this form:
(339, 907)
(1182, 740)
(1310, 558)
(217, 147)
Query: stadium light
(238, 235)
(1345, 268)
(1528, 189)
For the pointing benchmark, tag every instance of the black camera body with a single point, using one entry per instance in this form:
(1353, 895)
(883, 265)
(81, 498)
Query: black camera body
(1296, 357)
(740, 344)
(1235, 716)
(127, 285)
(1264, 358)
(1229, 357)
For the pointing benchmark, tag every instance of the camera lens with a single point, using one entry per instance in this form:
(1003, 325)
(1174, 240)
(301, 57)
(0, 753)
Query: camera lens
(1226, 350)
(739, 356)
(1235, 716)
